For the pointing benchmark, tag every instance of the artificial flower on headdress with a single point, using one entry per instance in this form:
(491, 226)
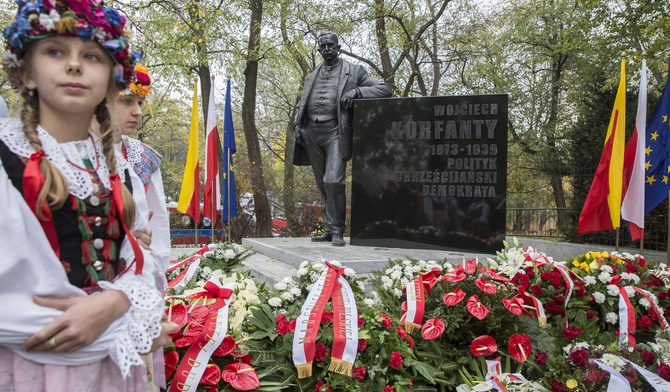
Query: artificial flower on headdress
(86, 19)
(141, 83)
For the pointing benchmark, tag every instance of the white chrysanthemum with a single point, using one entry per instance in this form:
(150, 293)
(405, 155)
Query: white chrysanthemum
(295, 291)
(349, 272)
(613, 361)
(229, 254)
(319, 266)
(219, 273)
(287, 296)
(397, 292)
(314, 276)
(604, 277)
(209, 253)
(388, 271)
(630, 291)
(611, 318)
(407, 262)
(583, 345)
(599, 297)
(422, 263)
(606, 268)
(395, 275)
(302, 271)
(589, 280)
(49, 21)
(281, 286)
(369, 302)
(416, 268)
(304, 264)
(613, 290)
(644, 302)
(206, 271)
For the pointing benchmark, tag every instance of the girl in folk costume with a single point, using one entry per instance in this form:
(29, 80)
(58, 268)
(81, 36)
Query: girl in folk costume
(127, 113)
(78, 301)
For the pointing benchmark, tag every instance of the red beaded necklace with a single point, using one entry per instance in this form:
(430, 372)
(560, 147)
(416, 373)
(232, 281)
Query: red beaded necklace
(97, 160)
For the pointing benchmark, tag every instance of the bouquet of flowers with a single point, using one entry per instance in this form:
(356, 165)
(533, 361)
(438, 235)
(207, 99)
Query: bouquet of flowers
(384, 360)
(210, 302)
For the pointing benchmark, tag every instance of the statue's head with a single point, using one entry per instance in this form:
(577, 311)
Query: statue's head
(328, 46)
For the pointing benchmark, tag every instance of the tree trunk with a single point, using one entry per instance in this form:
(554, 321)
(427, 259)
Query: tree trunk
(261, 204)
(559, 199)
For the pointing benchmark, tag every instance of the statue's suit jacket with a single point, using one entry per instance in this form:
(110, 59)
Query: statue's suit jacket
(351, 76)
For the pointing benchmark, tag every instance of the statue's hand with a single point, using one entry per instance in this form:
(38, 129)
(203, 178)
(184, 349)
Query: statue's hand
(298, 135)
(348, 99)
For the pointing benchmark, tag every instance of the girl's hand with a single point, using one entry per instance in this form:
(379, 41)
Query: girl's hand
(84, 320)
(167, 327)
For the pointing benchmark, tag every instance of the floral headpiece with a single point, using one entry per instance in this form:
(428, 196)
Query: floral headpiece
(140, 85)
(87, 19)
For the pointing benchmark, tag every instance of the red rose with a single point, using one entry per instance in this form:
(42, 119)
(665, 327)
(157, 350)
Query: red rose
(358, 373)
(541, 358)
(319, 387)
(556, 282)
(362, 344)
(536, 289)
(662, 295)
(571, 333)
(387, 388)
(320, 352)
(644, 322)
(559, 299)
(648, 357)
(590, 314)
(663, 371)
(560, 311)
(545, 276)
(579, 357)
(557, 386)
(550, 307)
(361, 322)
(396, 360)
(143, 78)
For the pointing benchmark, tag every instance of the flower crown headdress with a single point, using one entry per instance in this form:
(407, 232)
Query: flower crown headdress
(87, 19)
(141, 83)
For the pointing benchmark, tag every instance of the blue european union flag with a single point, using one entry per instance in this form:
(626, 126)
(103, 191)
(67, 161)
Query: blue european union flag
(657, 165)
(229, 201)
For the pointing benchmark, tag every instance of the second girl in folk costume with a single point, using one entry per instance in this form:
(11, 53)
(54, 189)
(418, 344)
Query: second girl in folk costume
(68, 211)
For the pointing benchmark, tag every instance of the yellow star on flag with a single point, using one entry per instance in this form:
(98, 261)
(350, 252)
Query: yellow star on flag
(648, 150)
(231, 168)
(665, 180)
(665, 118)
(650, 180)
(654, 136)
(647, 165)
(225, 175)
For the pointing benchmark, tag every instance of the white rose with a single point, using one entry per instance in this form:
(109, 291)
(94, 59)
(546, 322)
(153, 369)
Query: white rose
(275, 302)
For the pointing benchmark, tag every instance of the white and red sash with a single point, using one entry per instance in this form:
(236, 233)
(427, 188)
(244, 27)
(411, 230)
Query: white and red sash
(193, 364)
(331, 284)
(416, 305)
(627, 322)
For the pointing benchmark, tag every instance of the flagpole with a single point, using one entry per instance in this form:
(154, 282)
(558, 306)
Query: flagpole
(667, 249)
(228, 191)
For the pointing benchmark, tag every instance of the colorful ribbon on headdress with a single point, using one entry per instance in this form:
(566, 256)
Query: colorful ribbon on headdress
(331, 283)
(33, 181)
(193, 364)
(117, 196)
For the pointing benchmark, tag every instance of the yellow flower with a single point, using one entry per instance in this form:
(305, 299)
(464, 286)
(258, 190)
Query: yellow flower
(141, 68)
(575, 263)
(594, 265)
(571, 383)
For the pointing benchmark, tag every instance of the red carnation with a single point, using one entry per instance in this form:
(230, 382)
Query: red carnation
(579, 357)
(142, 78)
(361, 322)
(326, 317)
(362, 344)
(358, 373)
(571, 333)
(396, 360)
(644, 322)
(386, 321)
(410, 341)
(320, 352)
(319, 387)
(387, 388)
(401, 332)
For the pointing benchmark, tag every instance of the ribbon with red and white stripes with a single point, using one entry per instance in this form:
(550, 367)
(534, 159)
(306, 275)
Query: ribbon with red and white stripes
(416, 305)
(569, 284)
(627, 322)
(331, 283)
(193, 364)
(654, 307)
(178, 264)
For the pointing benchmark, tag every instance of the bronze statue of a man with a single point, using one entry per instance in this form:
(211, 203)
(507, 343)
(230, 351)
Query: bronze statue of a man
(323, 128)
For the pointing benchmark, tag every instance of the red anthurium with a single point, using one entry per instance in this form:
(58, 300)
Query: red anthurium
(189, 336)
(240, 376)
(211, 375)
(198, 314)
(513, 305)
(492, 273)
(486, 286)
(432, 329)
(519, 347)
(431, 278)
(455, 276)
(225, 348)
(171, 360)
(177, 314)
(470, 266)
(476, 308)
(483, 345)
(453, 297)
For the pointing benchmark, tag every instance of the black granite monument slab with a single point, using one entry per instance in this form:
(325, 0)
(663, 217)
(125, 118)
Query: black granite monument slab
(430, 172)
